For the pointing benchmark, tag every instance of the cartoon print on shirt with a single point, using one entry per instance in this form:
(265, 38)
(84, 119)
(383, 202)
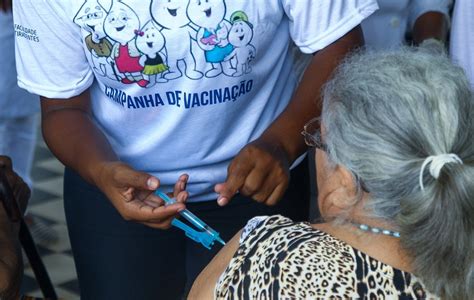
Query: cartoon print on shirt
(122, 25)
(151, 42)
(91, 17)
(164, 48)
(240, 36)
(212, 36)
(171, 16)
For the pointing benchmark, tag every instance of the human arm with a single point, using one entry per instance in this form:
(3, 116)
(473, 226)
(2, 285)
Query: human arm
(429, 19)
(261, 169)
(71, 134)
(55, 66)
(10, 253)
(431, 25)
(205, 283)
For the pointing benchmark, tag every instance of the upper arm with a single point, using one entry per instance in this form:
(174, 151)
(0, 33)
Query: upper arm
(204, 285)
(429, 19)
(333, 53)
(63, 118)
(79, 103)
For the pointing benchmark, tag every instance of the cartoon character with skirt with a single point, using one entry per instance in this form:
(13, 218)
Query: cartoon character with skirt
(151, 42)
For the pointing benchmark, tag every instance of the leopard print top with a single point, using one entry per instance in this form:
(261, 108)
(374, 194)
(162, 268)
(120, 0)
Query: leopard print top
(280, 259)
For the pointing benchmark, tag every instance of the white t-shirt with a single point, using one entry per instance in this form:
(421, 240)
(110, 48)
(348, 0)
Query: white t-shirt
(462, 38)
(387, 27)
(181, 86)
(14, 102)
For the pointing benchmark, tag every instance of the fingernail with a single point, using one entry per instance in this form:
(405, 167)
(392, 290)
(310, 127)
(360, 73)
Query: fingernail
(152, 183)
(222, 200)
(180, 209)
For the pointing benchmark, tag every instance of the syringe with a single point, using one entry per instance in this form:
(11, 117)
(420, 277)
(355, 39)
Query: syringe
(206, 236)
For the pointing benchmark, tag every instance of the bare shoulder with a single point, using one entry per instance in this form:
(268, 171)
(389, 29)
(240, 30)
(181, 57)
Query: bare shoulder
(203, 287)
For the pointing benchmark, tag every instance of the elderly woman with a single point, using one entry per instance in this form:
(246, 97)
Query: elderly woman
(395, 169)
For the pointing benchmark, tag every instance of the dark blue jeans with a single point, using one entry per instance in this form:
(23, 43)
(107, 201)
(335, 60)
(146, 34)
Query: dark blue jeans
(116, 259)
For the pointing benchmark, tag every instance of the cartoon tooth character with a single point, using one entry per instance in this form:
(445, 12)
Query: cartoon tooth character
(151, 43)
(213, 32)
(240, 36)
(122, 25)
(90, 17)
(171, 15)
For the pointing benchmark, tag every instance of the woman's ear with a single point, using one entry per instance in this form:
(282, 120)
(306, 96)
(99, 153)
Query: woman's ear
(343, 192)
(347, 181)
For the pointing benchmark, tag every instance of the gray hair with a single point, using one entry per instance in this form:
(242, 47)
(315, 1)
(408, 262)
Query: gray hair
(384, 114)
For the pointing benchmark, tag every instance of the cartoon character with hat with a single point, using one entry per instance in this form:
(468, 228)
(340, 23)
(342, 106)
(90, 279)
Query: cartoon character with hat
(240, 36)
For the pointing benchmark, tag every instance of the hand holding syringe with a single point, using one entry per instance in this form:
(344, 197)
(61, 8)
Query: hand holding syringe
(203, 234)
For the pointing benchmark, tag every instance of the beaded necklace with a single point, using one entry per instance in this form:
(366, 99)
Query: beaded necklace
(377, 230)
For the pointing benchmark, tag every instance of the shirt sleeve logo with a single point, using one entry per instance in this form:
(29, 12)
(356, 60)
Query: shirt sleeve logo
(29, 34)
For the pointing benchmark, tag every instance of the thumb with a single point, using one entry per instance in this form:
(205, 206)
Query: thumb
(132, 178)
